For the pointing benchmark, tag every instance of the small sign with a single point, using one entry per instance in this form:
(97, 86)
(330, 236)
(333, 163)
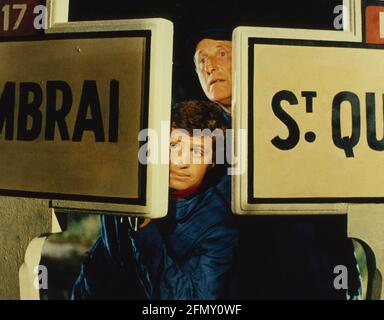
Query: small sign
(22, 17)
(374, 24)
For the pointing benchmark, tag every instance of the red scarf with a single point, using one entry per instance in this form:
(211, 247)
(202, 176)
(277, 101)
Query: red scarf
(183, 194)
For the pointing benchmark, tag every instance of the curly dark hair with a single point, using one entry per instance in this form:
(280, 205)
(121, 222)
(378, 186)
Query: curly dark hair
(190, 115)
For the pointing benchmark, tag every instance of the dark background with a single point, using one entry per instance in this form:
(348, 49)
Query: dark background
(193, 17)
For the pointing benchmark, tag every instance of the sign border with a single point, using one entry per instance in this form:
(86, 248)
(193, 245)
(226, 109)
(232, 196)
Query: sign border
(291, 42)
(142, 198)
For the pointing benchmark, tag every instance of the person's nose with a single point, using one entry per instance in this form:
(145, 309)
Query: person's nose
(181, 158)
(210, 65)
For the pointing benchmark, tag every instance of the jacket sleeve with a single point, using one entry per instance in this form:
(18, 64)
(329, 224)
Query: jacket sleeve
(91, 282)
(105, 276)
(203, 277)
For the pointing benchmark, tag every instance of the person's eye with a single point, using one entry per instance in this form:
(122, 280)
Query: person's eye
(175, 145)
(203, 60)
(222, 53)
(197, 152)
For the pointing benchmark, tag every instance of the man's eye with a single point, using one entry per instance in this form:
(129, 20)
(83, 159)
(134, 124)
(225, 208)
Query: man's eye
(175, 145)
(203, 60)
(222, 53)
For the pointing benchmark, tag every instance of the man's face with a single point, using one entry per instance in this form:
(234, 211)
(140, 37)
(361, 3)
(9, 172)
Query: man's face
(213, 60)
(190, 158)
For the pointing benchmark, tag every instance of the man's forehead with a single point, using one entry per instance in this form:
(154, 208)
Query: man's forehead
(207, 44)
(183, 135)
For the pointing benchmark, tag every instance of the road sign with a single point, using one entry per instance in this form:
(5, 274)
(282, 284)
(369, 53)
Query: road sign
(72, 105)
(312, 103)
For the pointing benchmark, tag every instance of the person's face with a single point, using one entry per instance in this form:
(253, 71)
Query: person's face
(190, 158)
(213, 60)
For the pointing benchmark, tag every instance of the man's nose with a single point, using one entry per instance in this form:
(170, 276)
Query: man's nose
(181, 158)
(210, 65)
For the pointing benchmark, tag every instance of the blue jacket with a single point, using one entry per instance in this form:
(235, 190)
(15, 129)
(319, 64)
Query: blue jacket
(188, 255)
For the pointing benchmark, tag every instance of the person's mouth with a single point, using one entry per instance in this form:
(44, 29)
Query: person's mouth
(215, 81)
(179, 175)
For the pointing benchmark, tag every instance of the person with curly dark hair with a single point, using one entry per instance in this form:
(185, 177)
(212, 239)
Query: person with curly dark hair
(190, 253)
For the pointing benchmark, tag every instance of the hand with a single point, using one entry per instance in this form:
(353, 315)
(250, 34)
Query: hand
(145, 223)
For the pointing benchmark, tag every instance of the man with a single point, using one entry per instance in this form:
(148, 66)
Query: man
(294, 257)
(213, 61)
(189, 254)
